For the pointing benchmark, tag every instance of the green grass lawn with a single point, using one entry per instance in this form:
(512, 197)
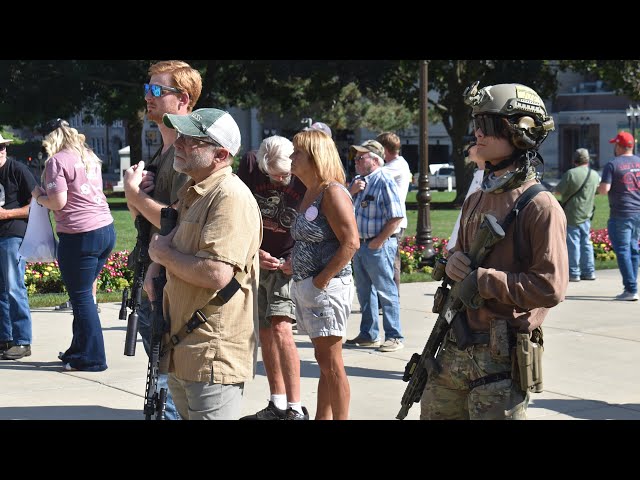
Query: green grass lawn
(442, 222)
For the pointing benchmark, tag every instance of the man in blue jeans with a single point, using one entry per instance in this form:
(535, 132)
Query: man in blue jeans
(578, 188)
(621, 181)
(174, 87)
(16, 184)
(378, 211)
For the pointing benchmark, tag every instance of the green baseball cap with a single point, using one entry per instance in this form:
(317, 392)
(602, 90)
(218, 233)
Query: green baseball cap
(216, 124)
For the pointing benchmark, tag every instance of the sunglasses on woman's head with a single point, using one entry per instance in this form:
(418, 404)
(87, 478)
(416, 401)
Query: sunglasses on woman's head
(156, 90)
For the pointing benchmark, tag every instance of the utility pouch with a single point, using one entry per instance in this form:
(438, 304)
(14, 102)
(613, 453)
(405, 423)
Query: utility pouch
(461, 331)
(439, 298)
(529, 362)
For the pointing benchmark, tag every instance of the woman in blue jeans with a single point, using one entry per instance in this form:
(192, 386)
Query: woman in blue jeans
(73, 190)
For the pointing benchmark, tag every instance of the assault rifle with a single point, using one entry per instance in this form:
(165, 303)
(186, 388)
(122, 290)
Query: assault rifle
(154, 401)
(143, 226)
(451, 311)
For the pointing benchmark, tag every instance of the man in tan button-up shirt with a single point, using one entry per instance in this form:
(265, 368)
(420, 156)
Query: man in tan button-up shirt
(218, 236)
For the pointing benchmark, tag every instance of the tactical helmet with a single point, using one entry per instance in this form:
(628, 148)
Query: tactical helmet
(528, 123)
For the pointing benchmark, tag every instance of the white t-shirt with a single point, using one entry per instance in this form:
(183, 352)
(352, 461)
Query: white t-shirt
(476, 183)
(398, 168)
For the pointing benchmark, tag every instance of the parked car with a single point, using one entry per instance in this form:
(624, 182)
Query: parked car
(443, 179)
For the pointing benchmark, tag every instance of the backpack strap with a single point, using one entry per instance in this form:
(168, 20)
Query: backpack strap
(522, 202)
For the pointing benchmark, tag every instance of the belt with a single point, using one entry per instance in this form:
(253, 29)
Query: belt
(371, 238)
(477, 338)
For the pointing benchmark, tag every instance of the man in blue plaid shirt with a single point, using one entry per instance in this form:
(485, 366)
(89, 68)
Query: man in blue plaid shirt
(378, 211)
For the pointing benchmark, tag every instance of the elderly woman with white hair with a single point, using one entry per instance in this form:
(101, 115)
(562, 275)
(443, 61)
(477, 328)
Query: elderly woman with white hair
(267, 173)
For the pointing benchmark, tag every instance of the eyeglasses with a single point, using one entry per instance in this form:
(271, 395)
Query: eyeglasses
(3, 146)
(279, 176)
(491, 125)
(156, 90)
(192, 140)
(361, 157)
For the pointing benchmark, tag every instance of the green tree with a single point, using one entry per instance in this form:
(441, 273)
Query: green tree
(622, 76)
(447, 81)
(377, 94)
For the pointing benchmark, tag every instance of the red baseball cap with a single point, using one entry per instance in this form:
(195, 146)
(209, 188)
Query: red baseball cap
(624, 139)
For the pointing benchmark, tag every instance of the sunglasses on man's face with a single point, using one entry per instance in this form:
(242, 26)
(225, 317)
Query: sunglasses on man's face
(491, 125)
(156, 90)
(3, 146)
(195, 141)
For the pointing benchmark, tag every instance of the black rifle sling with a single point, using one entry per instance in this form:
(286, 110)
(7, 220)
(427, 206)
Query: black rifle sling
(522, 202)
(198, 318)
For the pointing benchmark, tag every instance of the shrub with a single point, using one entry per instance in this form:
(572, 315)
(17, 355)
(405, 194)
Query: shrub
(46, 278)
(43, 278)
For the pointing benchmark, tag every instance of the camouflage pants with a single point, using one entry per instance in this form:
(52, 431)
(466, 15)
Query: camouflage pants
(447, 395)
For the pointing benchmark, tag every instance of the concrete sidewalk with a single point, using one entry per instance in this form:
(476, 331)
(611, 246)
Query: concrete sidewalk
(592, 350)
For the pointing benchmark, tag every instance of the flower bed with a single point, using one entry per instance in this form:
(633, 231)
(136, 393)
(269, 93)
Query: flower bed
(46, 278)
(602, 249)
(411, 254)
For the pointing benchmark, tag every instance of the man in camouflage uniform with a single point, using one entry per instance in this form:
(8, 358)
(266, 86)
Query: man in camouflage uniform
(509, 294)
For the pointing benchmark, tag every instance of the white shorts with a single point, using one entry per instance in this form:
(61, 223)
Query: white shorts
(323, 313)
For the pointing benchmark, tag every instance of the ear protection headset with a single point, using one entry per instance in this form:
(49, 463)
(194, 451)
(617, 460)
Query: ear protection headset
(520, 133)
(524, 134)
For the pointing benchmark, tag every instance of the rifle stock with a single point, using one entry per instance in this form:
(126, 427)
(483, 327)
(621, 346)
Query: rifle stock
(154, 401)
(419, 368)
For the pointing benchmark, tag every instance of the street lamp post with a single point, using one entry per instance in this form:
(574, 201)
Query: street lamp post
(423, 234)
(632, 118)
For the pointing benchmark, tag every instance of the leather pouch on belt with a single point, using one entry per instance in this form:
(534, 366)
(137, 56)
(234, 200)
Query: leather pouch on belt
(499, 339)
(529, 360)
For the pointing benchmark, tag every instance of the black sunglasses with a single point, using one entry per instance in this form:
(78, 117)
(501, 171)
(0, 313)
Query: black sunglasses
(156, 90)
(491, 125)
(3, 146)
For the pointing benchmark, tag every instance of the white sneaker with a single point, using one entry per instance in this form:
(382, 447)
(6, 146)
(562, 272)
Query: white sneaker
(391, 345)
(628, 296)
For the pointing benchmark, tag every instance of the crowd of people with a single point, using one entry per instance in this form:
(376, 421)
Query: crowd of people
(288, 242)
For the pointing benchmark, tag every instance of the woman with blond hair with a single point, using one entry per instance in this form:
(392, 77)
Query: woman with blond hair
(326, 238)
(73, 191)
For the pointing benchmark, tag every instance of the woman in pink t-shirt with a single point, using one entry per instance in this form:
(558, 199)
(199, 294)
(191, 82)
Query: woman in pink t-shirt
(73, 191)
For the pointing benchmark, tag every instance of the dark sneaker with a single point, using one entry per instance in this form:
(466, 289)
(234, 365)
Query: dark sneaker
(628, 296)
(17, 351)
(295, 415)
(588, 277)
(4, 346)
(574, 279)
(270, 412)
(64, 306)
(362, 342)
